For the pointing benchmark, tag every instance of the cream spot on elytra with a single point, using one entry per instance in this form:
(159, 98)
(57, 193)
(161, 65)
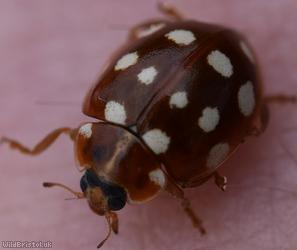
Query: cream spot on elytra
(86, 130)
(181, 37)
(209, 119)
(217, 155)
(147, 75)
(126, 61)
(156, 140)
(179, 100)
(246, 99)
(157, 176)
(220, 62)
(115, 112)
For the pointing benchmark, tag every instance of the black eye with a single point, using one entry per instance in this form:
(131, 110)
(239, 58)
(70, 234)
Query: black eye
(117, 199)
(89, 179)
(83, 183)
(116, 195)
(92, 179)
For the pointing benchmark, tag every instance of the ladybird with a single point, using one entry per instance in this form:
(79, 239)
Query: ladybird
(172, 106)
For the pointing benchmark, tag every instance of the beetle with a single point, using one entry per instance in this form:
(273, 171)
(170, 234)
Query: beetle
(172, 106)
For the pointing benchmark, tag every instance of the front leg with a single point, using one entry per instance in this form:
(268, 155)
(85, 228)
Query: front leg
(42, 145)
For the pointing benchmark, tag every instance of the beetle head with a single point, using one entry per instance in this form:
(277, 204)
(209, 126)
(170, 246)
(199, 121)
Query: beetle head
(113, 158)
(101, 195)
(103, 198)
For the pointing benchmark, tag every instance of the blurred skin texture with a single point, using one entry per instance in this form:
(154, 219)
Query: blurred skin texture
(51, 52)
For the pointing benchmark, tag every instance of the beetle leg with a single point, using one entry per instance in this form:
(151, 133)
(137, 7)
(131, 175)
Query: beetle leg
(220, 181)
(196, 221)
(170, 11)
(78, 195)
(261, 125)
(42, 145)
(172, 188)
(261, 122)
(280, 99)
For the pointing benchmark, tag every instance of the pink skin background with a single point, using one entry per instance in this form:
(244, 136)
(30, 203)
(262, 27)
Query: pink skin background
(51, 52)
